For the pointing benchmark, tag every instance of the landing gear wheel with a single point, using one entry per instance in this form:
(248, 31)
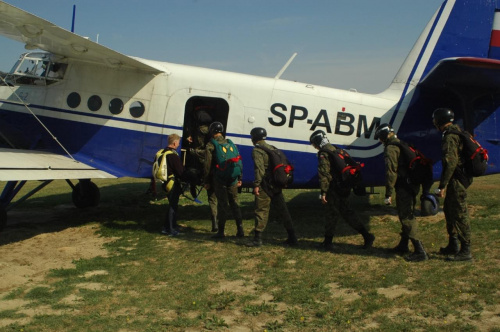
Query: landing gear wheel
(86, 194)
(3, 218)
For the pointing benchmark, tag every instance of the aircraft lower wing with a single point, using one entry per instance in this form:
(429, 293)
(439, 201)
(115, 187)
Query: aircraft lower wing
(18, 165)
(479, 73)
(37, 33)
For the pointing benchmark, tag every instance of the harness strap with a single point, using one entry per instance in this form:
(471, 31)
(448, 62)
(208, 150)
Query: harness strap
(233, 160)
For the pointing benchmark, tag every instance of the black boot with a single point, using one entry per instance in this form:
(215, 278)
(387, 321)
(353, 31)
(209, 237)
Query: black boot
(220, 233)
(452, 248)
(368, 238)
(327, 244)
(215, 227)
(256, 241)
(419, 254)
(463, 255)
(239, 226)
(402, 247)
(292, 239)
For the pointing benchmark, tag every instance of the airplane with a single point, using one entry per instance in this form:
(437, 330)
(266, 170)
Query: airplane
(77, 110)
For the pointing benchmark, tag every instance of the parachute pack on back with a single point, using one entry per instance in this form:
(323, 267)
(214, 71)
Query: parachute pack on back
(347, 169)
(475, 156)
(282, 170)
(160, 165)
(419, 167)
(228, 162)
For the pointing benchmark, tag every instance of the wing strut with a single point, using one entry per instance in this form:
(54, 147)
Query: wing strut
(40, 121)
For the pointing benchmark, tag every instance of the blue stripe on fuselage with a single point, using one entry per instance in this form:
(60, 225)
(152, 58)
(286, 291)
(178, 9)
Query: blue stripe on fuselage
(95, 115)
(124, 152)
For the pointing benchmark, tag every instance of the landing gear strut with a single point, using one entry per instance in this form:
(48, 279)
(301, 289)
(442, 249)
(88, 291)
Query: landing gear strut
(10, 191)
(3, 217)
(85, 194)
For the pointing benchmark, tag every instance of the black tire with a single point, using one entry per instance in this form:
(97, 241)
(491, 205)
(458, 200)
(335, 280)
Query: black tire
(86, 194)
(3, 218)
(428, 208)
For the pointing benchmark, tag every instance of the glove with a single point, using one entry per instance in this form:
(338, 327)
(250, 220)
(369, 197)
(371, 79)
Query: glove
(388, 201)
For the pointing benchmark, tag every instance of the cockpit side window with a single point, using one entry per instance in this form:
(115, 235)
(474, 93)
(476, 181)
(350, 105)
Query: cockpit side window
(37, 69)
(57, 70)
(27, 67)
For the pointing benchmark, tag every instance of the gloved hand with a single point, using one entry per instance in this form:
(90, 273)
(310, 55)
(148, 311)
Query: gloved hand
(388, 201)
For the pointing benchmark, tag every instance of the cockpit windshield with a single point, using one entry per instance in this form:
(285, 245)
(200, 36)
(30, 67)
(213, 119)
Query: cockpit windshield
(36, 69)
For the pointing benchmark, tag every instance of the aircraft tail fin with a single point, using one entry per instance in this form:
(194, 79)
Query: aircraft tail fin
(494, 52)
(459, 28)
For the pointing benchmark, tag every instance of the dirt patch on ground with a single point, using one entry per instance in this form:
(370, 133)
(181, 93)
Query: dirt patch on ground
(347, 295)
(26, 262)
(395, 291)
(27, 254)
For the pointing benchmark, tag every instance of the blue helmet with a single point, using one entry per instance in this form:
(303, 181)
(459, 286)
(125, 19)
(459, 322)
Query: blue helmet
(429, 205)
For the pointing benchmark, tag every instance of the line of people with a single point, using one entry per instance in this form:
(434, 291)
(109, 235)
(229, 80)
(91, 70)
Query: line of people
(453, 181)
(334, 193)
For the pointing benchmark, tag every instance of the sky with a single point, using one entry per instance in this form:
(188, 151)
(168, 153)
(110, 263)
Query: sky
(342, 44)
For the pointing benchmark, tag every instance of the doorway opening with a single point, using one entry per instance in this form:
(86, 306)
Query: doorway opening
(199, 113)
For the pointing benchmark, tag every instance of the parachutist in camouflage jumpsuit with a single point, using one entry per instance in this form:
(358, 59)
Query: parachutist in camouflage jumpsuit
(265, 192)
(454, 182)
(335, 196)
(199, 153)
(227, 193)
(396, 178)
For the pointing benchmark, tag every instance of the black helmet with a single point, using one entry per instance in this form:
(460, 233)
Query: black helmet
(442, 116)
(317, 137)
(383, 131)
(215, 127)
(258, 134)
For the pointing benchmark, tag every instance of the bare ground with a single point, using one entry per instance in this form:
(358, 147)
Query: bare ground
(32, 245)
(27, 254)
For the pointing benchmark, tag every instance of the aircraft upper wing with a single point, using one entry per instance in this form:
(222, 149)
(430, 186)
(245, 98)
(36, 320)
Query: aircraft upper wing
(18, 165)
(479, 73)
(37, 33)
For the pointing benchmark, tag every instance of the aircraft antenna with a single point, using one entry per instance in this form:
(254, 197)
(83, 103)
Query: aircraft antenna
(36, 117)
(73, 20)
(277, 77)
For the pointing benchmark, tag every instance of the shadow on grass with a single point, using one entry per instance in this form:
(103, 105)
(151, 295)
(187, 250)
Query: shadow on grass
(307, 212)
(50, 213)
(126, 206)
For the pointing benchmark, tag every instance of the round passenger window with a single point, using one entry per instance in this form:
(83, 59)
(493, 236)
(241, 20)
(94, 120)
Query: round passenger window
(94, 103)
(73, 100)
(137, 109)
(116, 106)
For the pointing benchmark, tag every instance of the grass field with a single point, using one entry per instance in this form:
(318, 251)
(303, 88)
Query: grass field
(149, 282)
